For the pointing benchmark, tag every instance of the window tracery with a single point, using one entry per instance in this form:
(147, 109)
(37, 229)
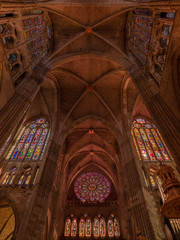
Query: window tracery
(139, 33)
(95, 228)
(148, 141)
(31, 142)
(92, 187)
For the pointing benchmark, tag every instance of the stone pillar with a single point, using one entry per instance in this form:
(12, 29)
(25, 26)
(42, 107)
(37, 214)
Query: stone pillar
(13, 111)
(35, 215)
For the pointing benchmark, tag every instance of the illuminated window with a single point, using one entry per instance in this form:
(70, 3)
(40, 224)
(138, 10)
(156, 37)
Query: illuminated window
(67, 229)
(21, 180)
(37, 34)
(152, 181)
(88, 227)
(116, 227)
(74, 227)
(145, 178)
(102, 227)
(92, 187)
(110, 226)
(82, 227)
(149, 143)
(6, 179)
(96, 227)
(31, 141)
(28, 179)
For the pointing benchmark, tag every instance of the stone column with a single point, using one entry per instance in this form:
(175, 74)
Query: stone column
(13, 111)
(35, 215)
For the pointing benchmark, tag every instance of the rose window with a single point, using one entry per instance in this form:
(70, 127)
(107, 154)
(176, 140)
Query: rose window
(92, 187)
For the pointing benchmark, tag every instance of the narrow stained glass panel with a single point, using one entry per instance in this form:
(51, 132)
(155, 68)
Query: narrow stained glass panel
(102, 227)
(12, 179)
(96, 227)
(116, 228)
(28, 179)
(67, 229)
(20, 144)
(110, 228)
(40, 144)
(82, 227)
(74, 227)
(88, 227)
(21, 180)
(33, 144)
(6, 179)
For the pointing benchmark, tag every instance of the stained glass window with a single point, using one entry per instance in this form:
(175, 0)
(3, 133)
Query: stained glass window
(140, 25)
(74, 227)
(6, 179)
(92, 187)
(88, 227)
(21, 180)
(116, 227)
(102, 227)
(37, 34)
(152, 181)
(110, 226)
(28, 179)
(82, 227)
(148, 141)
(67, 229)
(96, 227)
(31, 141)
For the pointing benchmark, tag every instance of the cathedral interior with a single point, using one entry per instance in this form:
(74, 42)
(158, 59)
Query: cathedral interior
(90, 120)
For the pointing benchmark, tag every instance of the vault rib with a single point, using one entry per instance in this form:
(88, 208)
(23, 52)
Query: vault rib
(64, 16)
(71, 74)
(112, 16)
(106, 75)
(66, 44)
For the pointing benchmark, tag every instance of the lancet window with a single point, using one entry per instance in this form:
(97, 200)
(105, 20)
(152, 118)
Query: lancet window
(74, 227)
(82, 227)
(148, 141)
(67, 229)
(88, 228)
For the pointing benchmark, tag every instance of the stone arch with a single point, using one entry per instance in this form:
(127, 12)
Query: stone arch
(9, 218)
